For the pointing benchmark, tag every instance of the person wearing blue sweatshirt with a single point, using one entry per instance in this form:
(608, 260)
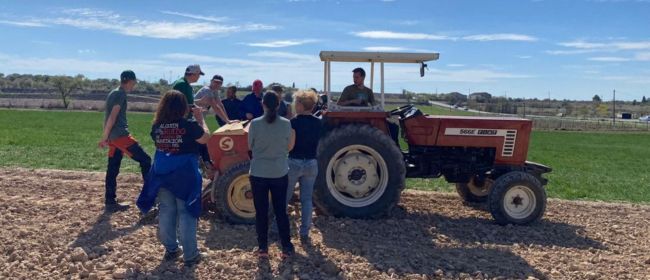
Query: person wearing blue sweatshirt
(175, 177)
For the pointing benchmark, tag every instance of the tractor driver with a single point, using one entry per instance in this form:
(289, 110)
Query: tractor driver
(357, 94)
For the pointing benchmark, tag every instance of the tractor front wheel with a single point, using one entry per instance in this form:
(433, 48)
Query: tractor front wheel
(517, 198)
(233, 195)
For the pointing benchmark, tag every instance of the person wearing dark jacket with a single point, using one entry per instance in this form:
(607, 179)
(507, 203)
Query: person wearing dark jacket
(270, 138)
(174, 177)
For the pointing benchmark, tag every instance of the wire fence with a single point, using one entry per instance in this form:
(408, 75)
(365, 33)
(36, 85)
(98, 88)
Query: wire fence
(541, 123)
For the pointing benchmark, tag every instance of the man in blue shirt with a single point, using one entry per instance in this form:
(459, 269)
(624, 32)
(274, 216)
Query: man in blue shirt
(252, 103)
(232, 104)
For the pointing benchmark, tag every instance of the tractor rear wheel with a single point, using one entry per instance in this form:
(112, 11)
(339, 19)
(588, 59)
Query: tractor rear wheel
(233, 195)
(517, 198)
(361, 173)
(471, 192)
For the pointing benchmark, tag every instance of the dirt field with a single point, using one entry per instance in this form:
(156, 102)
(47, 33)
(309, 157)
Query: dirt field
(53, 227)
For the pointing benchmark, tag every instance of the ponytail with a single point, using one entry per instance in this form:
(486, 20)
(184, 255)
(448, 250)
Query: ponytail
(271, 101)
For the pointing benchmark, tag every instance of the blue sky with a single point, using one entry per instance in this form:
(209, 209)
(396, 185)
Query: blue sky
(570, 49)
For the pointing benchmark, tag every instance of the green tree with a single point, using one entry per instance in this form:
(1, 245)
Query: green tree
(408, 95)
(596, 99)
(65, 86)
(644, 100)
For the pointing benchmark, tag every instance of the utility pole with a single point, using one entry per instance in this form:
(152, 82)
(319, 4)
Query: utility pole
(614, 109)
(549, 101)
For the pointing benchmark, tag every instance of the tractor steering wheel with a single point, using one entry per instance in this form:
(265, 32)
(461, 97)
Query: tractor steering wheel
(401, 110)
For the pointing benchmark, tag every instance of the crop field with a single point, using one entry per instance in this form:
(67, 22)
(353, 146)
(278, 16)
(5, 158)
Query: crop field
(586, 166)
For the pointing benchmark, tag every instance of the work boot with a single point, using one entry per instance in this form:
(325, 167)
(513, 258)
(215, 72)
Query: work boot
(170, 256)
(113, 206)
(196, 260)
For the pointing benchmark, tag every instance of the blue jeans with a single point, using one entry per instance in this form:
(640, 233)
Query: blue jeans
(173, 216)
(303, 171)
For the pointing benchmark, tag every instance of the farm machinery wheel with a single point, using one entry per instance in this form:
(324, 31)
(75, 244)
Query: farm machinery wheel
(361, 173)
(517, 198)
(233, 196)
(472, 191)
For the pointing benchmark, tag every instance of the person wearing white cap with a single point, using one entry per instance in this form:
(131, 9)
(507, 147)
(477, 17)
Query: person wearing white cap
(192, 74)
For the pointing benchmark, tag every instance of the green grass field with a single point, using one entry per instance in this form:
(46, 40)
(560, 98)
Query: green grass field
(590, 166)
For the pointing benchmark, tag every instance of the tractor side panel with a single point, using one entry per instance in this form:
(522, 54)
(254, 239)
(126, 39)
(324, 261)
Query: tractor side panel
(421, 130)
(375, 119)
(510, 137)
(226, 150)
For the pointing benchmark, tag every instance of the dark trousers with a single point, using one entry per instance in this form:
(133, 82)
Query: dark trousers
(394, 132)
(219, 120)
(113, 169)
(278, 189)
(203, 151)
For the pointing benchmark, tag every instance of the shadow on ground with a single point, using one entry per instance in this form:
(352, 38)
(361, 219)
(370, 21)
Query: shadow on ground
(431, 244)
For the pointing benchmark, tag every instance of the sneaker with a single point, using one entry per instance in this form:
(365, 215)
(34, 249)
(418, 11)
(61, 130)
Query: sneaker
(262, 254)
(196, 260)
(286, 255)
(115, 207)
(170, 256)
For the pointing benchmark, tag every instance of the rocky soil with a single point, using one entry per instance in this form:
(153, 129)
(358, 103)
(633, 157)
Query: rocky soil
(52, 226)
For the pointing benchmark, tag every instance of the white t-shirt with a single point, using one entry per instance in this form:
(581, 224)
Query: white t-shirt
(204, 92)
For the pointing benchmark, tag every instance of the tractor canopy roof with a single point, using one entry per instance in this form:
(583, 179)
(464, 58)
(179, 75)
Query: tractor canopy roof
(387, 57)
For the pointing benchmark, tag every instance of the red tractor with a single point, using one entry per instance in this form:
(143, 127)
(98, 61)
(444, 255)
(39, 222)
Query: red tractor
(362, 169)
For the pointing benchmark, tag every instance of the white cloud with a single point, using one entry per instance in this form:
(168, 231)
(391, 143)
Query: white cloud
(582, 45)
(568, 52)
(383, 34)
(607, 46)
(199, 17)
(500, 37)
(608, 59)
(524, 56)
(384, 49)
(201, 59)
(27, 23)
(43, 42)
(406, 22)
(93, 19)
(285, 55)
(456, 65)
(73, 66)
(86, 51)
(397, 35)
(281, 43)
(642, 56)
(402, 74)
(474, 76)
(643, 45)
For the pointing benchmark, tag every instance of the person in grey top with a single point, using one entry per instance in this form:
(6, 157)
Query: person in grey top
(208, 97)
(118, 140)
(270, 138)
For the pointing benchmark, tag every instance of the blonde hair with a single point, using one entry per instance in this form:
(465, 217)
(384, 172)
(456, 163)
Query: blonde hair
(306, 97)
